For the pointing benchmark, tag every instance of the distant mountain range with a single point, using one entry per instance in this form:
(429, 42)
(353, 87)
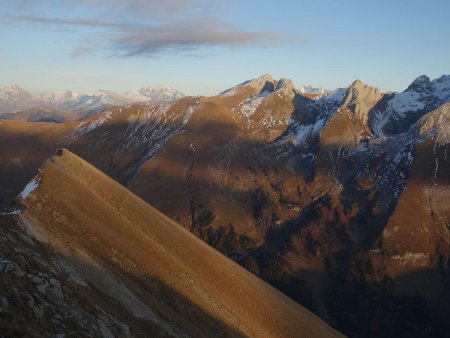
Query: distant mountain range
(339, 199)
(17, 103)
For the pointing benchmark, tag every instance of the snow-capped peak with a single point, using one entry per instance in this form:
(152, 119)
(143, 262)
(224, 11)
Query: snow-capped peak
(421, 84)
(13, 99)
(308, 89)
(161, 93)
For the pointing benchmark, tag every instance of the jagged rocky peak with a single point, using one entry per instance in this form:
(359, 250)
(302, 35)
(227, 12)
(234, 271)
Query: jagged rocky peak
(263, 83)
(286, 87)
(443, 79)
(360, 86)
(436, 125)
(421, 84)
(402, 110)
(361, 98)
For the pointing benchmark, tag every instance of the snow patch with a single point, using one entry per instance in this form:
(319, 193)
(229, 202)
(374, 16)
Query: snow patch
(87, 126)
(303, 132)
(11, 212)
(412, 257)
(29, 188)
(379, 120)
(249, 107)
(191, 146)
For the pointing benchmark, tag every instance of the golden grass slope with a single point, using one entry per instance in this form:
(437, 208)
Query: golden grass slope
(155, 269)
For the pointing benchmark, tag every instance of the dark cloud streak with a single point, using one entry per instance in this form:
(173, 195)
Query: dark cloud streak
(64, 21)
(188, 36)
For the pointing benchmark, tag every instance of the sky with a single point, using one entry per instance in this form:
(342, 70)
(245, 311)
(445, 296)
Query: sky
(202, 47)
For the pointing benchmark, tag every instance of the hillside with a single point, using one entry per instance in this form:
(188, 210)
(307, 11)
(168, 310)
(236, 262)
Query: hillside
(130, 269)
(312, 193)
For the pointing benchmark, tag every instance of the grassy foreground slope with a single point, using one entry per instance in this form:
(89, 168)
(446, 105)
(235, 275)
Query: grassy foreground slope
(147, 268)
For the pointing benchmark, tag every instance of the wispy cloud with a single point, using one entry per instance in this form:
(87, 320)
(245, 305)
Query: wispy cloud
(62, 21)
(148, 8)
(148, 28)
(187, 36)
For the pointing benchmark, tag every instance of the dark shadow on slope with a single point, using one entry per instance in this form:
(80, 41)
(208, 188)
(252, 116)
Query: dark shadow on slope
(389, 309)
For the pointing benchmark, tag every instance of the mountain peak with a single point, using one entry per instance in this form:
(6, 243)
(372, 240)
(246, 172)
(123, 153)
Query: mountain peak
(308, 89)
(13, 89)
(361, 98)
(421, 83)
(15, 99)
(261, 82)
(358, 84)
(285, 87)
(264, 77)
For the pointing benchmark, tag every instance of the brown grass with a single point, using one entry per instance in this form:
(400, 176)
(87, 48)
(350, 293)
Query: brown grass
(78, 208)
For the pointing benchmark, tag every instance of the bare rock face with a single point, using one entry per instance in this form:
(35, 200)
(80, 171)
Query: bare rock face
(361, 98)
(350, 124)
(436, 125)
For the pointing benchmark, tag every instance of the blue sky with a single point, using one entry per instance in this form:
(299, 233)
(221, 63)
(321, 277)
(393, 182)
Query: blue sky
(203, 47)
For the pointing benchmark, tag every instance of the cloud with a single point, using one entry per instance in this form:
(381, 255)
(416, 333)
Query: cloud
(148, 8)
(63, 21)
(188, 36)
(148, 27)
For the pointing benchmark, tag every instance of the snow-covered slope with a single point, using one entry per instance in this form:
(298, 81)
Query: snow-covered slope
(399, 111)
(130, 135)
(309, 123)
